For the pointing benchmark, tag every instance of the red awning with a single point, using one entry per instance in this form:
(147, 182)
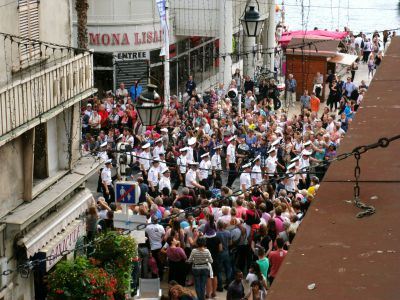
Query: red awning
(312, 34)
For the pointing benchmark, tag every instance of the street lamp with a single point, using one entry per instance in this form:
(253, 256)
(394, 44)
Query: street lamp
(252, 21)
(149, 106)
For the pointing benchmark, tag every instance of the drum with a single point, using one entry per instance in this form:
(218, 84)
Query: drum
(232, 93)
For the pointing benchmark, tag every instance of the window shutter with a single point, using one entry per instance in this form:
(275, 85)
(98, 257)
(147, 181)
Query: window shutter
(28, 29)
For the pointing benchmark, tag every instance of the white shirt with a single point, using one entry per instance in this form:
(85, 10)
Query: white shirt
(190, 177)
(162, 166)
(290, 185)
(245, 179)
(216, 162)
(144, 160)
(103, 155)
(155, 233)
(257, 175)
(182, 162)
(130, 140)
(106, 176)
(271, 164)
(153, 176)
(164, 182)
(189, 154)
(205, 169)
(157, 150)
(304, 163)
(231, 152)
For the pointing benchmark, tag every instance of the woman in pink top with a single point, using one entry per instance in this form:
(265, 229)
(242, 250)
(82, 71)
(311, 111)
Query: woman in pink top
(240, 210)
(177, 261)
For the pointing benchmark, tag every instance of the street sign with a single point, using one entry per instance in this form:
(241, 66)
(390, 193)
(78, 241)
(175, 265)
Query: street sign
(127, 192)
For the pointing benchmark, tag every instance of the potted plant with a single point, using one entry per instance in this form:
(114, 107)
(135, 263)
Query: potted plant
(116, 253)
(79, 279)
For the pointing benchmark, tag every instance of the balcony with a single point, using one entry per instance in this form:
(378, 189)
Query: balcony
(28, 102)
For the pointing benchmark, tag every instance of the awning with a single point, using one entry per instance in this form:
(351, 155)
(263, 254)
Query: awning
(42, 234)
(63, 242)
(343, 59)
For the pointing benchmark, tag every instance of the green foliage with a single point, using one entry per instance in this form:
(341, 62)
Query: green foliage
(115, 253)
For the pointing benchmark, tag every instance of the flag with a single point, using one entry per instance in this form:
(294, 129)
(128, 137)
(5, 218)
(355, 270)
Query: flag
(164, 26)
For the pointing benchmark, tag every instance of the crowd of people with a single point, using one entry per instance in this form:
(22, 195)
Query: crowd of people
(224, 189)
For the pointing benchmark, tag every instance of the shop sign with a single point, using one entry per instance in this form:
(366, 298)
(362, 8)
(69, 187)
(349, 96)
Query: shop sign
(136, 55)
(62, 243)
(125, 39)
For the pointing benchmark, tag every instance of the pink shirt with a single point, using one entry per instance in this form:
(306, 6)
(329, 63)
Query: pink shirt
(240, 211)
(279, 224)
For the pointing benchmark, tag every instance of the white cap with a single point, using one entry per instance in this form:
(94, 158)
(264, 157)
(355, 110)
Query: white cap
(184, 149)
(165, 170)
(257, 158)
(193, 163)
(307, 143)
(159, 140)
(155, 161)
(145, 146)
(108, 161)
(161, 153)
(295, 159)
(246, 166)
(218, 147)
(232, 138)
(192, 141)
(120, 136)
(291, 166)
(103, 144)
(276, 142)
(278, 130)
(205, 155)
(306, 152)
(164, 130)
(272, 149)
(89, 105)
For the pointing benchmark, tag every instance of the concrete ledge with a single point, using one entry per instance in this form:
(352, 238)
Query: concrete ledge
(27, 213)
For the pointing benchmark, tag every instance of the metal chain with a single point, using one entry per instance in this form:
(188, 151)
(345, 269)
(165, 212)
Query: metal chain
(368, 210)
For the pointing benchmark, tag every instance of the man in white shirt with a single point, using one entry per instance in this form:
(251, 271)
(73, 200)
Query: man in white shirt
(122, 92)
(163, 164)
(191, 177)
(144, 160)
(245, 178)
(256, 175)
(291, 179)
(271, 162)
(158, 148)
(153, 178)
(205, 170)
(231, 161)
(165, 181)
(216, 164)
(192, 143)
(106, 180)
(155, 232)
(182, 167)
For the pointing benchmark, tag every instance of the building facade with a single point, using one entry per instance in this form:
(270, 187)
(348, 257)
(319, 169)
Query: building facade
(204, 36)
(42, 197)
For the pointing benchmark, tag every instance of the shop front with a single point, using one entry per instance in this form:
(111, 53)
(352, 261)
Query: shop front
(54, 239)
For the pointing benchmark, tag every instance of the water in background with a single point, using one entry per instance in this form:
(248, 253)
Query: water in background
(358, 15)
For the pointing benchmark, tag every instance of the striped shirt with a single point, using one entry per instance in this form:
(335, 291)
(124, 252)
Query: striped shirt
(200, 258)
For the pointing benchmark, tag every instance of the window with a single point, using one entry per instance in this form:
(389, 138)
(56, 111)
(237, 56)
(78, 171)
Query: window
(28, 29)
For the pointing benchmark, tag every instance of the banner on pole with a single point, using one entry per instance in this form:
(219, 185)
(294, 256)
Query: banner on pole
(162, 11)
